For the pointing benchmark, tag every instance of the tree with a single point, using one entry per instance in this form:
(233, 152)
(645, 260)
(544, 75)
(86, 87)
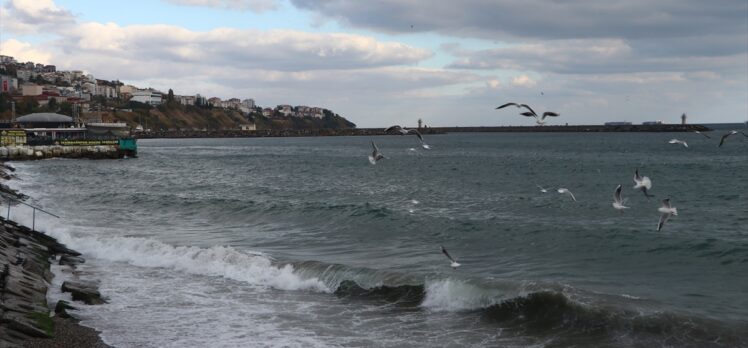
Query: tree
(170, 97)
(52, 105)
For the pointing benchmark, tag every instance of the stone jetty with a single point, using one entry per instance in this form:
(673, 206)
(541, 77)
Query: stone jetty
(25, 152)
(25, 275)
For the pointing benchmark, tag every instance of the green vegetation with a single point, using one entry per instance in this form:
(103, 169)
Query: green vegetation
(44, 322)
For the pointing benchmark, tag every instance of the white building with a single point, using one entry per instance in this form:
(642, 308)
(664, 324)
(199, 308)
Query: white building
(249, 103)
(147, 96)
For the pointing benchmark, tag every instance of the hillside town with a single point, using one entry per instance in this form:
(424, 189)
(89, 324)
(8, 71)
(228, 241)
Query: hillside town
(34, 87)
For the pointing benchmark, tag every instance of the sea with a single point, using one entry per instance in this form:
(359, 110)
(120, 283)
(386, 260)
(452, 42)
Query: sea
(301, 242)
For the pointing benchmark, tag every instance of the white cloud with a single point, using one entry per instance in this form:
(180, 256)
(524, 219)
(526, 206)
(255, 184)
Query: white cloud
(523, 81)
(24, 52)
(283, 50)
(252, 5)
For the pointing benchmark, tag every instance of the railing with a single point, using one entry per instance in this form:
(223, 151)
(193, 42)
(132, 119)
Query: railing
(35, 208)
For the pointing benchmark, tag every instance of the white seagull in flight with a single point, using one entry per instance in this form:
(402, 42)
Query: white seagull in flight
(454, 263)
(617, 200)
(405, 131)
(666, 211)
(375, 155)
(542, 189)
(721, 141)
(676, 141)
(697, 132)
(540, 120)
(642, 183)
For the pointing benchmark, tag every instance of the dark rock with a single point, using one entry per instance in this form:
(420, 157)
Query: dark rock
(86, 292)
(71, 260)
(62, 307)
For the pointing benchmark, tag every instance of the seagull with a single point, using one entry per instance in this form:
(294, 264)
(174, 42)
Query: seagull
(617, 201)
(643, 183)
(375, 155)
(676, 141)
(517, 105)
(729, 134)
(542, 189)
(454, 263)
(541, 120)
(666, 211)
(404, 131)
(697, 132)
(563, 190)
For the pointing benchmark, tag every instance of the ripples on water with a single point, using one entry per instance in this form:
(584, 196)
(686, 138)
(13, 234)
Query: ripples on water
(300, 241)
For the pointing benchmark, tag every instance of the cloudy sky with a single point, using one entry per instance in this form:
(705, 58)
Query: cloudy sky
(394, 61)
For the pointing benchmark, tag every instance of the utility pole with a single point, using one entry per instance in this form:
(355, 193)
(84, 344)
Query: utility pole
(13, 112)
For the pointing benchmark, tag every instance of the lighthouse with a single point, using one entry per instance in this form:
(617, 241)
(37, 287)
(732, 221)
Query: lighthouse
(683, 119)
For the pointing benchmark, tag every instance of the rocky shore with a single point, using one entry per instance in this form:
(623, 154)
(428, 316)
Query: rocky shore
(26, 319)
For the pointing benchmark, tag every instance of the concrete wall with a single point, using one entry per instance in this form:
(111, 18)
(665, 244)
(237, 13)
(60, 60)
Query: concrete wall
(19, 153)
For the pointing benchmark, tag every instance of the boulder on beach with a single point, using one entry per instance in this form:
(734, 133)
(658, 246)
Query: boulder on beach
(86, 292)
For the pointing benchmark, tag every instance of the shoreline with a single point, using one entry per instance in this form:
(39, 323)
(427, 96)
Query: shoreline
(26, 256)
(656, 128)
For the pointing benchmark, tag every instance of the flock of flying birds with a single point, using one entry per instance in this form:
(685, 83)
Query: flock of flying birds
(642, 183)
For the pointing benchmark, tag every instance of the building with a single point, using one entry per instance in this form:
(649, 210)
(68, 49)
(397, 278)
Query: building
(44, 120)
(618, 123)
(248, 127)
(249, 103)
(147, 96)
(215, 101)
(650, 123)
(49, 68)
(29, 89)
(8, 84)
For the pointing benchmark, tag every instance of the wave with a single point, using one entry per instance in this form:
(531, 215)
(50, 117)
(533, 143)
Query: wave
(253, 268)
(557, 318)
(538, 310)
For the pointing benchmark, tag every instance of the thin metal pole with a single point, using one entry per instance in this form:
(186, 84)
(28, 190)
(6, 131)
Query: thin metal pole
(33, 221)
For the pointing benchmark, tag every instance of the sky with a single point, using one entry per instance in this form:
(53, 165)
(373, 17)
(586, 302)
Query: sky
(379, 63)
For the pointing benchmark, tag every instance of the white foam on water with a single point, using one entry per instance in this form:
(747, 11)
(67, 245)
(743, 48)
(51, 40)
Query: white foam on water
(455, 295)
(254, 269)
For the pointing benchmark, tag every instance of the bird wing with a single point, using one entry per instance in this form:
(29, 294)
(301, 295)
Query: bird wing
(417, 133)
(637, 177)
(507, 104)
(666, 203)
(663, 219)
(376, 149)
(572, 196)
(528, 108)
(528, 114)
(395, 127)
(745, 135)
(697, 132)
(447, 254)
(617, 194)
(549, 113)
(722, 141)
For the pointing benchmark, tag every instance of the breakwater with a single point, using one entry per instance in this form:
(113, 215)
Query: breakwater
(26, 256)
(430, 130)
(26, 152)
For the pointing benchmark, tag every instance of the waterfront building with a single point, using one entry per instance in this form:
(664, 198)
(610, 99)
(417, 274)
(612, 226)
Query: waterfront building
(147, 96)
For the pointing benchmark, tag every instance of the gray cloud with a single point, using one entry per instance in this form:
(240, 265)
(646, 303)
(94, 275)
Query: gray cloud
(34, 16)
(538, 19)
(599, 56)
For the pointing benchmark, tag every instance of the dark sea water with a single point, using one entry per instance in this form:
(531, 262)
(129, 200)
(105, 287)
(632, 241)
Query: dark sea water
(301, 242)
